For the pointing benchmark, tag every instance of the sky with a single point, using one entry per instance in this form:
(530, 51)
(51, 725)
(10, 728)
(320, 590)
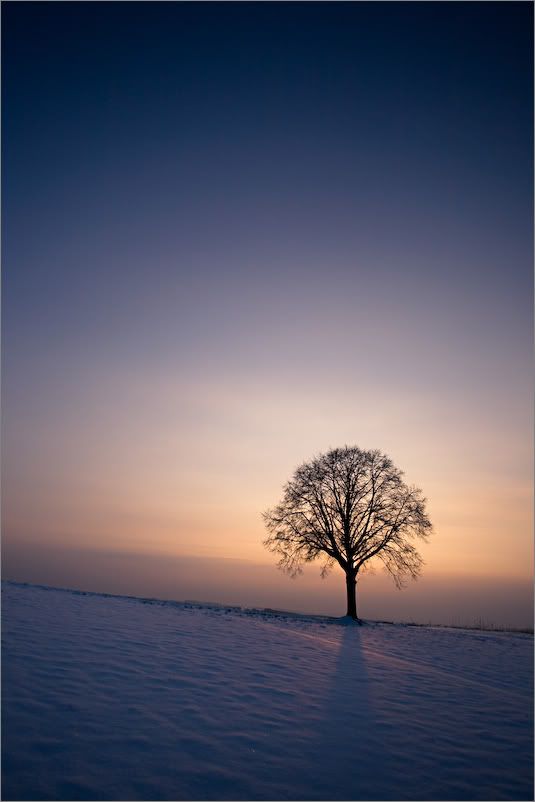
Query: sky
(236, 235)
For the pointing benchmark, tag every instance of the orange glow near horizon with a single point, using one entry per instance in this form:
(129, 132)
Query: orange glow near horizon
(189, 472)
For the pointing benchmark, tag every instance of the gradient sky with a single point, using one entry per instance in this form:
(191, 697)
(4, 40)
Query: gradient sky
(237, 235)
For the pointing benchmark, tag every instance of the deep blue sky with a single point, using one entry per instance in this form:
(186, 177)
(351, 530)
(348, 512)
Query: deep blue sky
(250, 129)
(246, 218)
(142, 122)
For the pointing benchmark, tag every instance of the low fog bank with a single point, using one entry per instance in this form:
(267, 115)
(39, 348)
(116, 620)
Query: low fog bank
(439, 599)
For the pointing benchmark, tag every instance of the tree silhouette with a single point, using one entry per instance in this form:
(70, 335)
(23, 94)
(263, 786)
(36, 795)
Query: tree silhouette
(349, 506)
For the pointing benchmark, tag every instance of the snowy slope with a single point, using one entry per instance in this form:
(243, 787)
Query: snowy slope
(116, 698)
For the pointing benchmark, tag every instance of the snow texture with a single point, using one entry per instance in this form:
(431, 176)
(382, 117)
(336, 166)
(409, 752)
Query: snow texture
(110, 697)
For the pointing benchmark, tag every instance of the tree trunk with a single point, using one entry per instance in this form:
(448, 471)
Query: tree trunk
(351, 586)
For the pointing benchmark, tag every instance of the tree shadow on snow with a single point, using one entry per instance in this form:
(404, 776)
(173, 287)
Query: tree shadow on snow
(349, 753)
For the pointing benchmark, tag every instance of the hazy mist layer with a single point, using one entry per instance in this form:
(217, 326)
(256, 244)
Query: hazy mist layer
(433, 599)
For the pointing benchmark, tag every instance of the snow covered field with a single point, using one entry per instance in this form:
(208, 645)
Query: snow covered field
(116, 698)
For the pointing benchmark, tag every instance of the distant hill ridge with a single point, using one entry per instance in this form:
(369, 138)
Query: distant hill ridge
(262, 612)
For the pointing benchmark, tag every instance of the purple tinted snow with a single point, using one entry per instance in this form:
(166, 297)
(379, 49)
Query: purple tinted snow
(108, 698)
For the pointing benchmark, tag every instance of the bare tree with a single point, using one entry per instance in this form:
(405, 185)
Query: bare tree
(349, 506)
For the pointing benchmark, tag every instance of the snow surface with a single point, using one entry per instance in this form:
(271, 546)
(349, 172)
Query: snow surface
(110, 697)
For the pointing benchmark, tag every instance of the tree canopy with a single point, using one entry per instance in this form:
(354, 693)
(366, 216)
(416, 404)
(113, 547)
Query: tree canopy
(349, 506)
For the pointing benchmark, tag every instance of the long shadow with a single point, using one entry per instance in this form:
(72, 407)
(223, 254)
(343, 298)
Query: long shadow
(349, 754)
(411, 736)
